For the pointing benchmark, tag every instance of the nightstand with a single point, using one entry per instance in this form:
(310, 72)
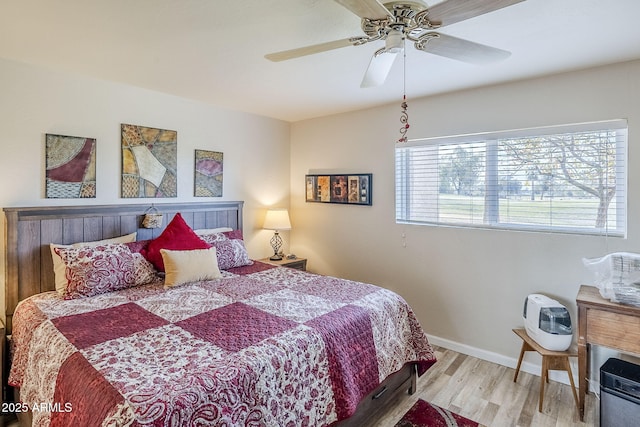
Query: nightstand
(297, 263)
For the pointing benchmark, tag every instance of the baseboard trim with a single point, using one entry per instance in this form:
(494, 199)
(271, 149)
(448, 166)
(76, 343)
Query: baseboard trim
(528, 365)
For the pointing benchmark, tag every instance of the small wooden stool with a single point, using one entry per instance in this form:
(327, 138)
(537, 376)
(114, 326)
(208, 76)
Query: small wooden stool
(551, 360)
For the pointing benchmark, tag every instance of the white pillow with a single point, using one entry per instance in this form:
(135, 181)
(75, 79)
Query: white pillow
(60, 268)
(194, 265)
(205, 231)
(127, 238)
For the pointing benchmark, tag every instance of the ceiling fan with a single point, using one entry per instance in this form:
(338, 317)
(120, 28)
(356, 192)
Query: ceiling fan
(400, 20)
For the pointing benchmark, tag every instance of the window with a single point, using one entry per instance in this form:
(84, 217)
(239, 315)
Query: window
(569, 178)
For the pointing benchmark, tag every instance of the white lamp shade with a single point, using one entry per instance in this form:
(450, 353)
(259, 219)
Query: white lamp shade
(277, 219)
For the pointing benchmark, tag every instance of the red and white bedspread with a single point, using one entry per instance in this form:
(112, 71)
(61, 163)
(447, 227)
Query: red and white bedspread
(263, 346)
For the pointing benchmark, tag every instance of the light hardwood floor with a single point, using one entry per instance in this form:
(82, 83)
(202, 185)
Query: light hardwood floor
(485, 392)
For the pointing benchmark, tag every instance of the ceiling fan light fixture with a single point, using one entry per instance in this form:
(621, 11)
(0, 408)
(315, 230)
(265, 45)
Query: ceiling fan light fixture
(378, 68)
(395, 21)
(395, 41)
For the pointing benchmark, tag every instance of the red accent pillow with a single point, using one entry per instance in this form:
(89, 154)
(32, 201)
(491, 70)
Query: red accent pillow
(178, 236)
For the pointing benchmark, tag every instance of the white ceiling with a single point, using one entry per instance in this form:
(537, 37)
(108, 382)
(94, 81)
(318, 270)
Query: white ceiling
(213, 51)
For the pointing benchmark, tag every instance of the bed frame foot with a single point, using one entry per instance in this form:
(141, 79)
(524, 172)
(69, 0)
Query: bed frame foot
(413, 385)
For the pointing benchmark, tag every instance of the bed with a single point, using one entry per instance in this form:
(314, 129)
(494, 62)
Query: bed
(250, 344)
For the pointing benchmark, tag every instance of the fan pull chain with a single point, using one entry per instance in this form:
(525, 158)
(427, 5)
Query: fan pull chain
(404, 116)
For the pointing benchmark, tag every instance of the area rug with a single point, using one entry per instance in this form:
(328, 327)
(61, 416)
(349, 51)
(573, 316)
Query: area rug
(425, 414)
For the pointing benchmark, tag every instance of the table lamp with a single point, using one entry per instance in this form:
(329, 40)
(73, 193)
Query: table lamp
(276, 219)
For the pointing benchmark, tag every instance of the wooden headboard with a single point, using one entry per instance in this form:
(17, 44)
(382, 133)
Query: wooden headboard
(29, 231)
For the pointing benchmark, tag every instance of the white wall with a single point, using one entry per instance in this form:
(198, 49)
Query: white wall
(35, 101)
(466, 285)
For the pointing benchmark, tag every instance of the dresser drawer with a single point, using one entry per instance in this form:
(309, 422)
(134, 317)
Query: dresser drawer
(615, 330)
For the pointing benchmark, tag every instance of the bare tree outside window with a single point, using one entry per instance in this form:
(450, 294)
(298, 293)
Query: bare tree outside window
(569, 178)
(586, 162)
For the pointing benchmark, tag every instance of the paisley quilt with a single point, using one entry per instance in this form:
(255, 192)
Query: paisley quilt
(262, 346)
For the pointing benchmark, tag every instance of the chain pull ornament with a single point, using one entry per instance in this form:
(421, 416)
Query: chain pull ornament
(404, 116)
(404, 119)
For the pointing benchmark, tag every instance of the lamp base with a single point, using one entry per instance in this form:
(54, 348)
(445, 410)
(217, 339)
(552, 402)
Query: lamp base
(276, 244)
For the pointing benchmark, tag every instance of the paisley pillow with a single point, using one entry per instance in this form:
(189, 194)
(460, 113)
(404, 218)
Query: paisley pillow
(59, 267)
(93, 270)
(230, 249)
(144, 271)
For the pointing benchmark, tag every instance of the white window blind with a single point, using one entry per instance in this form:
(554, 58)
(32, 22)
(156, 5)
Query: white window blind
(569, 178)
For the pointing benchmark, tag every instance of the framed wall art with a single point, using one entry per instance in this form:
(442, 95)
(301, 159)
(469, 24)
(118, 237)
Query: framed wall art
(149, 162)
(350, 189)
(208, 174)
(70, 167)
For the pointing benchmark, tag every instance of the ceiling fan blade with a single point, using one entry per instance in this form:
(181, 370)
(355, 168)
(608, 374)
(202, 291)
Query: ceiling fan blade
(460, 49)
(379, 68)
(451, 11)
(371, 9)
(310, 50)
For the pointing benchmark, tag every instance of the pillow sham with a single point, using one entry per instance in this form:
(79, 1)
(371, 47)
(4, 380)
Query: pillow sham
(143, 270)
(177, 236)
(131, 237)
(203, 231)
(234, 234)
(59, 267)
(230, 249)
(93, 270)
(189, 266)
(137, 246)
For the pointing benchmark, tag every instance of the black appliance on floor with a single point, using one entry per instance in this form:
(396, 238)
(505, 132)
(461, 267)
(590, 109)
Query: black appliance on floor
(619, 394)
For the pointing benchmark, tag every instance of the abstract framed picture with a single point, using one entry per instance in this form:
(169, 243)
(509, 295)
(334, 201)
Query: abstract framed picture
(149, 162)
(208, 174)
(70, 167)
(351, 189)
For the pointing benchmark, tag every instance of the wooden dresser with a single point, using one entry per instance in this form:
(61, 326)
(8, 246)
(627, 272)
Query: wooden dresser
(605, 323)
